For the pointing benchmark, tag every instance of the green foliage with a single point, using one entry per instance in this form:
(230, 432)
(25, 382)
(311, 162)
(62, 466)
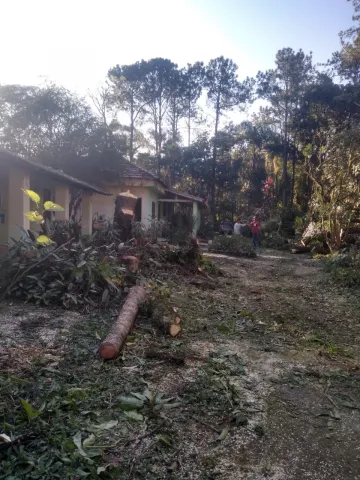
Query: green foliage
(149, 403)
(39, 218)
(274, 240)
(233, 245)
(150, 234)
(270, 226)
(213, 390)
(71, 275)
(69, 425)
(300, 224)
(344, 268)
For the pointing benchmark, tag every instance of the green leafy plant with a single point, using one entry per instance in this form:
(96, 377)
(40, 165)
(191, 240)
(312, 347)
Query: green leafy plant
(150, 403)
(35, 216)
(69, 275)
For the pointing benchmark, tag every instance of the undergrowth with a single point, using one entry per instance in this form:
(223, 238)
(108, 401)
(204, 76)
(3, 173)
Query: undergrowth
(236, 245)
(344, 268)
(72, 413)
(274, 240)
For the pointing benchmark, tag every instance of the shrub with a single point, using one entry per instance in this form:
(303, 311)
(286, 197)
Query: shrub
(274, 240)
(233, 245)
(300, 224)
(270, 226)
(68, 275)
(344, 268)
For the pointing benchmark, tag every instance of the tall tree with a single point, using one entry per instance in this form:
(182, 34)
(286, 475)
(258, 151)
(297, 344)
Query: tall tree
(224, 93)
(175, 110)
(158, 83)
(283, 88)
(347, 60)
(193, 80)
(107, 112)
(128, 94)
(46, 123)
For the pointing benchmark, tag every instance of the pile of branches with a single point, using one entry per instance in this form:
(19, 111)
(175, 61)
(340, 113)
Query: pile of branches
(72, 274)
(186, 258)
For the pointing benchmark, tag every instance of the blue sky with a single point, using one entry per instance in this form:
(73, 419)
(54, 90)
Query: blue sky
(74, 42)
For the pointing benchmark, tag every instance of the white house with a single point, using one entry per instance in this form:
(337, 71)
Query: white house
(155, 199)
(18, 174)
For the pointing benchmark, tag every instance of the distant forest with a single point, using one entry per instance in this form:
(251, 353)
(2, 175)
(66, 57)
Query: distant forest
(297, 157)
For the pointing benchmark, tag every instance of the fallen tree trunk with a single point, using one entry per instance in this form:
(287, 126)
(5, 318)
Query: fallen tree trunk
(300, 249)
(110, 348)
(131, 262)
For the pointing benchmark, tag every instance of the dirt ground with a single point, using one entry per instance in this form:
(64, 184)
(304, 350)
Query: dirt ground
(265, 378)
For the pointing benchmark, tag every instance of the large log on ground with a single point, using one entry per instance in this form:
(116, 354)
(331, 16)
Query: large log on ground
(300, 249)
(111, 346)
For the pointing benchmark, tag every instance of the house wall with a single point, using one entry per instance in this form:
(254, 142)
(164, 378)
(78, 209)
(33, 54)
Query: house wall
(106, 205)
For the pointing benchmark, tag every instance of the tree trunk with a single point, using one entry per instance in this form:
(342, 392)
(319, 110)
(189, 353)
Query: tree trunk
(132, 121)
(285, 176)
(111, 346)
(160, 139)
(300, 249)
(213, 172)
(189, 124)
(293, 182)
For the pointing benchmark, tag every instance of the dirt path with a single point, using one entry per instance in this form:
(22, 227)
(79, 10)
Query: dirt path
(265, 378)
(299, 343)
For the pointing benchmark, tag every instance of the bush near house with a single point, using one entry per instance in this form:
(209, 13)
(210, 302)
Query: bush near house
(233, 245)
(72, 274)
(58, 268)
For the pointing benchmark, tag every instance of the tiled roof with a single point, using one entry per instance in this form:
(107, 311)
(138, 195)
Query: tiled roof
(130, 170)
(51, 172)
(185, 195)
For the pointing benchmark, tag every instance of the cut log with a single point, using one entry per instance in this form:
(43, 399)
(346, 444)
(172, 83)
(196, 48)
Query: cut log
(111, 346)
(300, 249)
(131, 262)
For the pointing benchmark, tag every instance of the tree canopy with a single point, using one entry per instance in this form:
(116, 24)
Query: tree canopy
(301, 144)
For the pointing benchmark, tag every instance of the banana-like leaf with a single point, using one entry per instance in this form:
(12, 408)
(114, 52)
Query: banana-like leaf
(44, 240)
(33, 196)
(34, 216)
(53, 207)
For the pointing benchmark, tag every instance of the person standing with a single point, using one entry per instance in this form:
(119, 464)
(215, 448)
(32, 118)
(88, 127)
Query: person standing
(238, 227)
(255, 230)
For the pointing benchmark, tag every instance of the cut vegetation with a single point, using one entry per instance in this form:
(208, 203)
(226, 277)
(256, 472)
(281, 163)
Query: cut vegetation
(260, 383)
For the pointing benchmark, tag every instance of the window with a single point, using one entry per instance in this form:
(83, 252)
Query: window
(153, 210)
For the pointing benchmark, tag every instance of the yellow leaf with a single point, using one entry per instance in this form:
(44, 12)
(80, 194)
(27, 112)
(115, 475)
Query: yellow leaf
(44, 240)
(34, 216)
(53, 207)
(174, 329)
(33, 196)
